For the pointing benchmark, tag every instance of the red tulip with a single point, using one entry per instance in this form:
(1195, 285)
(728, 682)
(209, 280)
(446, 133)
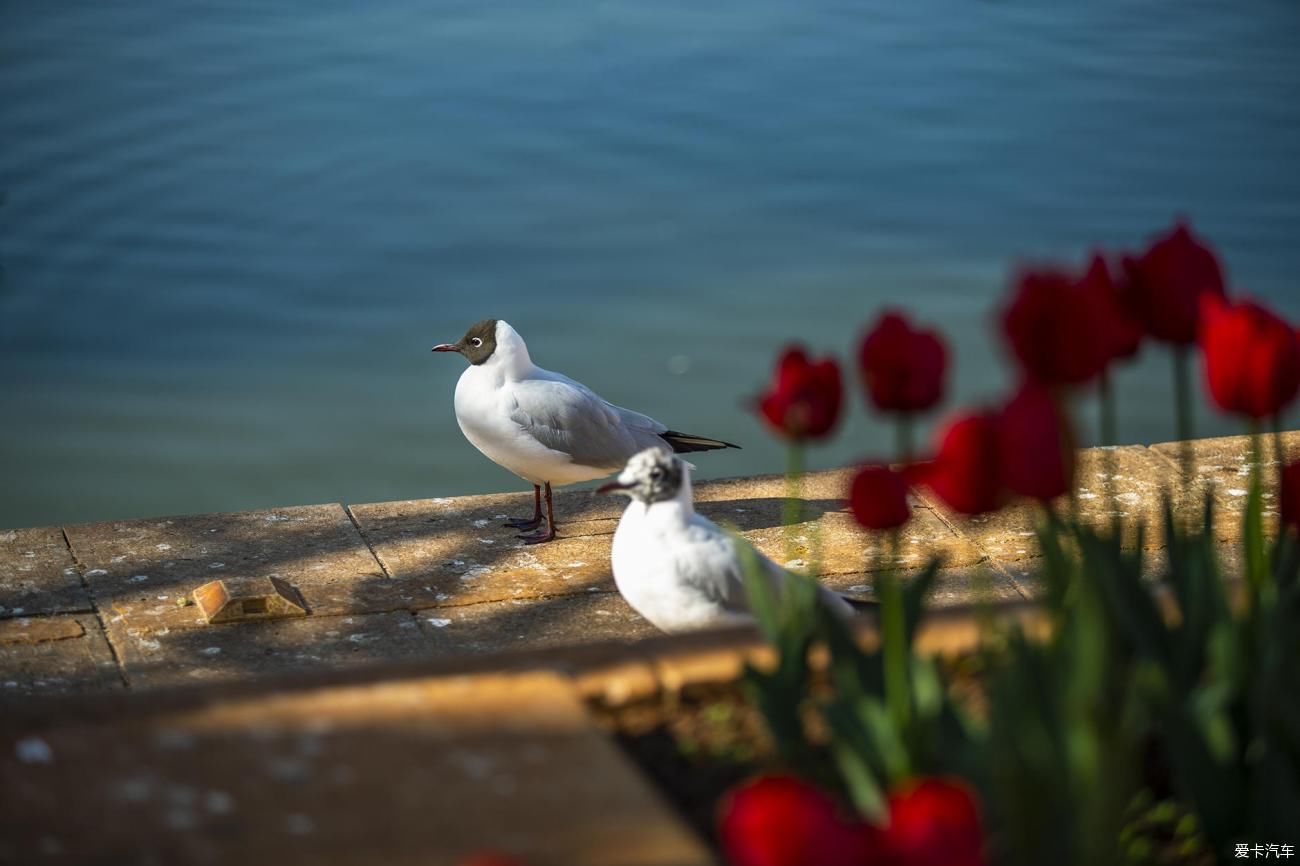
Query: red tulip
(1122, 334)
(966, 473)
(1056, 327)
(1289, 495)
(903, 367)
(935, 822)
(803, 402)
(782, 821)
(1037, 449)
(1252, 358)
(1166, 282)
(879, 498)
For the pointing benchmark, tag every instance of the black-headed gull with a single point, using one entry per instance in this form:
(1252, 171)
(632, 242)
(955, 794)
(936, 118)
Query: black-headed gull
(543, 426)
(675, 567)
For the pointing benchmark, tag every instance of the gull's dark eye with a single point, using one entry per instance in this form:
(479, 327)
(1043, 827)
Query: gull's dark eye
(656, 473)
(477, 342)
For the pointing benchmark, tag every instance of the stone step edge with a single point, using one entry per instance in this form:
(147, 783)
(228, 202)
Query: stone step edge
(610, 673)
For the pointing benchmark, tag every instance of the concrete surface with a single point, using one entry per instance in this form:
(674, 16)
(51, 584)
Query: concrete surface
(441, 577)
(411, 772)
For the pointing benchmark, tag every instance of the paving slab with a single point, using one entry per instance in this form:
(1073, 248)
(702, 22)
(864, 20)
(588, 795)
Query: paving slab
(449, 552)
(1155, 565)
(153, 658)
(1223, 464)
(38, 575)
(53, 655)
(419, 772)
(564, 620)
(953, 587)
(828, 534)
(140, 571)
(476, 588)
(1139, 477)
(442, 552)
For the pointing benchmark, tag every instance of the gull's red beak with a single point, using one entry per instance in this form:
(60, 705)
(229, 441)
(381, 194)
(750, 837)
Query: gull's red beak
(446, 347)
(612, 487)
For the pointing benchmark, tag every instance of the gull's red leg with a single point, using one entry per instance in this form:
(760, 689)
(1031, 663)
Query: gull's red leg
(549, 534)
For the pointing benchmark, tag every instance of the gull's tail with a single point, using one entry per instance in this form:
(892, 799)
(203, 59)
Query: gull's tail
(685, 443)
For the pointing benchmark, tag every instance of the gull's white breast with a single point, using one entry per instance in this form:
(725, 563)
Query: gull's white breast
(483, 410)
(663, 567)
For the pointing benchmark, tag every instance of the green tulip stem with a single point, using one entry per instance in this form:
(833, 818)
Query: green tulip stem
(1183, 402)
(893, 636)
(1256, 549)
(793, 512)
(1106, 398)
(1257, 449)
(1050, 515)
(1279, 450)
(905, 430)
(1067, 410)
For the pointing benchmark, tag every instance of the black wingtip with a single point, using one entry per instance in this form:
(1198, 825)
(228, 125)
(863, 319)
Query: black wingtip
(686, 443)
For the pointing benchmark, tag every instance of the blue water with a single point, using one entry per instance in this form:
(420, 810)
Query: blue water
(231, 231)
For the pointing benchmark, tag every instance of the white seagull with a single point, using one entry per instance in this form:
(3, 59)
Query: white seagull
(675, 567)
(543, 426)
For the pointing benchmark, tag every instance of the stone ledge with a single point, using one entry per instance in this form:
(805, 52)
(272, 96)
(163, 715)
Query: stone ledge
(282, 740)
(63, 654)
(292, 771)
(471, 587)
(508, 761)
(38, 575)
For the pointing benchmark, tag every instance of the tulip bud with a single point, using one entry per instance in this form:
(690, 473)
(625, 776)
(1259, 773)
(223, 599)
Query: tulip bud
(1164, 285)
(879, 498)
(903, 368)
(966, 472)
(935, 822)
(1252, 358)
(783, 821)
(803, 400)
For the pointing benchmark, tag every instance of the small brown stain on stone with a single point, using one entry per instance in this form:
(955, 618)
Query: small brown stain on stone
(16, 631)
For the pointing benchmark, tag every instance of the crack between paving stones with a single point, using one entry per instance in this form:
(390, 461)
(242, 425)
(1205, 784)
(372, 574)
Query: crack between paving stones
(99, 614)
(347, 509)
(986, 558)
(1172, 463)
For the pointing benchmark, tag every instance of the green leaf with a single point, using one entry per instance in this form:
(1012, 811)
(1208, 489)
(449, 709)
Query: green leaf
(1252, 534)
(1217, 792)
(780, 708)
(927, 689)
(888, 740)
(895, 650)
(762, 597)
(915, 595)
(1127, 603)
(859, 762)
(1286, 561)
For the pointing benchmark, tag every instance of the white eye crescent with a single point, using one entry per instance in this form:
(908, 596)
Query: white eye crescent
(477, 342)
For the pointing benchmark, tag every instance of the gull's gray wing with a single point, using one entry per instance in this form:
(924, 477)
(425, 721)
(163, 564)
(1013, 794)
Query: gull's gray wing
(713, 566)
(637, 422)
(568, 417)
(633, 421)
